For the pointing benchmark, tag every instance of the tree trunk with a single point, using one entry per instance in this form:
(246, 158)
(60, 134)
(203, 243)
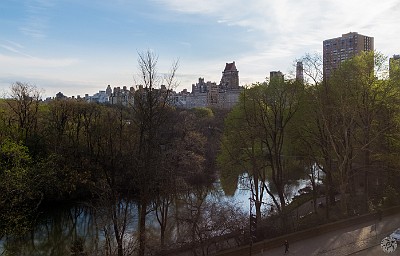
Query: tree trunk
(329, 192)
(142, 226)
(256, 194)
(163, 226)
(118, 236)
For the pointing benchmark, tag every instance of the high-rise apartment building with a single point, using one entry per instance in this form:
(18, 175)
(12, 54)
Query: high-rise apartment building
(337, 50)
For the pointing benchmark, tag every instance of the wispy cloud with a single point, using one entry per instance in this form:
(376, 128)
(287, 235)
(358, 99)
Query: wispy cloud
(14, 48)
(9, 48)
(281, 31)
(37, 18)
(15, 44)
(260, 35)
(185, 44)
(35, 62)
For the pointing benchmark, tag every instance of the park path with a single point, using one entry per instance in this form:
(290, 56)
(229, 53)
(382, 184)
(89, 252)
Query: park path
(360, 239)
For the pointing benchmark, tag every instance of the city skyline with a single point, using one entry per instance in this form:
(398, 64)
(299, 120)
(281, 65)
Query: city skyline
(80, 47)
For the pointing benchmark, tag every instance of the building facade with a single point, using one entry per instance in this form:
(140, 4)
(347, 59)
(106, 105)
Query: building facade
(299, 72)
(276, 75)
(210, 94)
(230, 77)
(121, 96)
(204, 94)
(337, 50)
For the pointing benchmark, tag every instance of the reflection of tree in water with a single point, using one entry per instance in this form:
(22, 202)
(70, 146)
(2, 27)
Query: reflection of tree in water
(114, 222)
(202, 216)
(291, 190)
(58, 228)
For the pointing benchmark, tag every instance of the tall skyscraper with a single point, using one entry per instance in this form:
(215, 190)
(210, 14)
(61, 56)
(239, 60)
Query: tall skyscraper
(337, 50)
(299, 72)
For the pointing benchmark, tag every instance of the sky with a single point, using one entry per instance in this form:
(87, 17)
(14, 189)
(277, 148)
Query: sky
(81, 46)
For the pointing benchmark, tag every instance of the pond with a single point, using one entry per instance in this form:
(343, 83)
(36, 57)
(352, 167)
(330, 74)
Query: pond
(60, 227)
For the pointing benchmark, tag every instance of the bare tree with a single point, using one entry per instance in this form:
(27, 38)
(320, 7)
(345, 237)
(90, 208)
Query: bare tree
(150, 114)
(312, 68)
(24, 104)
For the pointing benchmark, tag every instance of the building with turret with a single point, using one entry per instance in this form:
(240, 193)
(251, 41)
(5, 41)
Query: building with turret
(210, 94)
(230, 77)
(203, 94)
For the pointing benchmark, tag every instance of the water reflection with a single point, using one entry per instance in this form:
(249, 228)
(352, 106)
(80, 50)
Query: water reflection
(243, 193)
(58, 227)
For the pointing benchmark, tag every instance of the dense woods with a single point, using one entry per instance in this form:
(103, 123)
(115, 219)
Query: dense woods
(152, 158)
(147, 153)
(346, 127)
